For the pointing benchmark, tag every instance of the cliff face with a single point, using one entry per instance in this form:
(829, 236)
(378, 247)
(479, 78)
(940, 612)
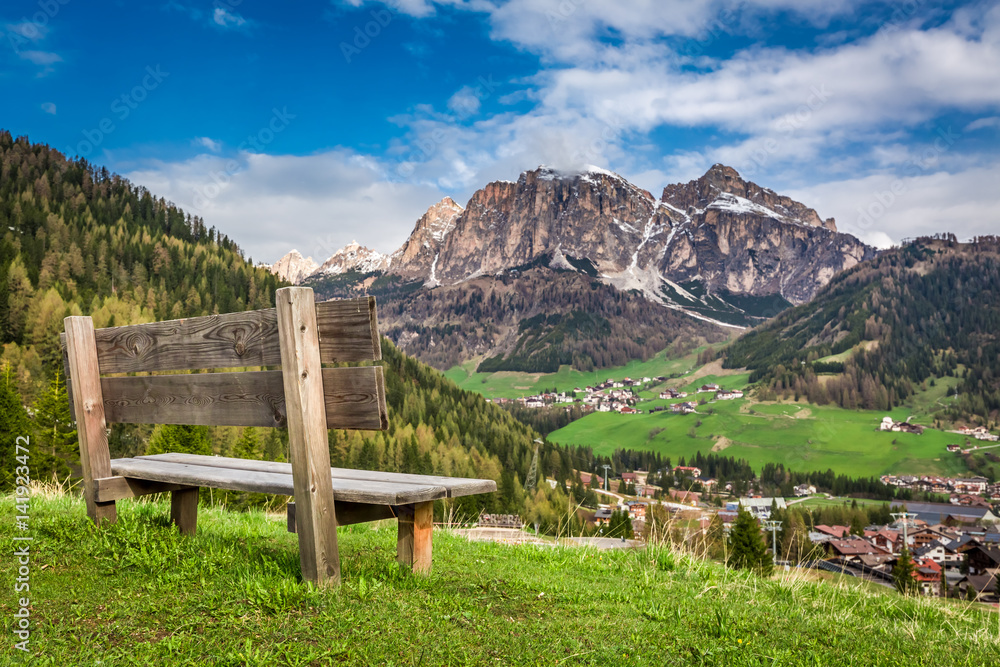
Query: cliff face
(293, 267)
(415, 259)
(724, 232)
(595, 215)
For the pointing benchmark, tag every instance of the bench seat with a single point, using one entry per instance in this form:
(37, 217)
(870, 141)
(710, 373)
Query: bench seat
(354, 486)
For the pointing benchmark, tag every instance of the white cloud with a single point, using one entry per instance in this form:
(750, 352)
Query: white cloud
(272, 203)
(983, 123)
(465, 102)
(44, 58)
(224, 18)
(885, 206)
(49, 107)
(209, 143)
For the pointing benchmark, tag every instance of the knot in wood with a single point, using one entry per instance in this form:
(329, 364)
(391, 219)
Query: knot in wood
(136, 341)
(240, 348)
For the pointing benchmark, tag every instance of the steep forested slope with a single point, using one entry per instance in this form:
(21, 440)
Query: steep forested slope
(927, 309)
(75, 238)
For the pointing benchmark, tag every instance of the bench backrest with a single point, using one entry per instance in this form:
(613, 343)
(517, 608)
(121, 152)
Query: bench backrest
(354, 397)
(299, 335)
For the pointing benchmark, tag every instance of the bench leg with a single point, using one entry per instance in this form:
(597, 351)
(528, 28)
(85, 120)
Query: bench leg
(184, 509)
(413, 545)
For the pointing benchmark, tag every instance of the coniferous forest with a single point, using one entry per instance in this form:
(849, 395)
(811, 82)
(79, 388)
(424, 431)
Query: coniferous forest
(926, 310)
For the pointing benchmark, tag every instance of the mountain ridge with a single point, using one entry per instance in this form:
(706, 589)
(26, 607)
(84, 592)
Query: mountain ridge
(628, 235)
(721, 250)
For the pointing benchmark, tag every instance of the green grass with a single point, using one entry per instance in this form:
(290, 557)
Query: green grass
(137, 593)
(802, 437)
(507, 384)
(817, 502)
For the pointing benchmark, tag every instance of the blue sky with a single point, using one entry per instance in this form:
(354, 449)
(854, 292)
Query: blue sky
(312, 124)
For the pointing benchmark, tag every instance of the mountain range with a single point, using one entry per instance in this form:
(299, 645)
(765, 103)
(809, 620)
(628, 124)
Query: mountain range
(558, 256)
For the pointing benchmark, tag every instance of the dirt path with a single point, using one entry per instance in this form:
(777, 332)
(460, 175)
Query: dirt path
(721, 444)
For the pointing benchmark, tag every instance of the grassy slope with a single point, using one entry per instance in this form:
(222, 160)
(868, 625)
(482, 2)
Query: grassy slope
(514, 385)
(139, 594)
(803, 437)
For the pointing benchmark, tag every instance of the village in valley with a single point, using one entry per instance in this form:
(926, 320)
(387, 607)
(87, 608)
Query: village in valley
(954, 541)
(622, 396)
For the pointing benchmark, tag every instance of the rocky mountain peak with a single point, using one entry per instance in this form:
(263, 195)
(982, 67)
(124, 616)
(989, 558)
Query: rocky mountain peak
(354, 257)
(416, 256)
(293, 267)
(722, 188)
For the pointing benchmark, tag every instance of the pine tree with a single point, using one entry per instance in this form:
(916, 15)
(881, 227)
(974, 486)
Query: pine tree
(903, 573)
(57, 431)
(180, 438)
(248, 446)
(747, 549)
(14, 424)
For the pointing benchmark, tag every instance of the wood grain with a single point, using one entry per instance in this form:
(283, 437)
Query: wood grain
(214, 341)
(354, 398)
(88, 404)
(253, 398)
(279, 483)
(414, 535)
(453, 486)
(302, 373)
(348, 332)
(119, 488)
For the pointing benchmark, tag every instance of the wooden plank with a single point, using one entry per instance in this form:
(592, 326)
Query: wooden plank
(263, 481)
(349, 514)
(414, 533)
(217, 478)
(119, 488)
(302, 372)
(184, 510)
(454, 486)
(88, 404)
(69, 388)
(355, 398)
(235, 399)
(348, 330)
(214, 341)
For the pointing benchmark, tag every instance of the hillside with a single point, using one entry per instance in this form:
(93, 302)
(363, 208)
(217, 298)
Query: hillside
(82, 241)
(588, 270)
(882, 331)
(143, 594)
(75, 239)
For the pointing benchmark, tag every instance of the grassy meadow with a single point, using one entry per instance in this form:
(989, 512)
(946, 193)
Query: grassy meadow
(508, 384)
(801, 436)
(138, 593)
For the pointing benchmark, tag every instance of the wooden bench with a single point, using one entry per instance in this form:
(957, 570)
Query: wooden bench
(298, 335)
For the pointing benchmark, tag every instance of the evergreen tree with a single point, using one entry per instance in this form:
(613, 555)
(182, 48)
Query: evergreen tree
(747, 549)
(248, 446)
(14, 424)
(185, 439)
(903, 573)
(56, 429)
